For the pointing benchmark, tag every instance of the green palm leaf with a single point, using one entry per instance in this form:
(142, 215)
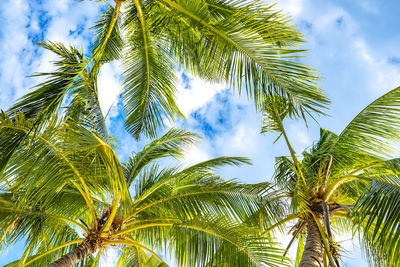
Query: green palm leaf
(65, 177)
(374, 130)
(377, 216)
(246, 45)
(108, 44)
(149, 78)
(173, 143)
(48, 96)
(240, 46)
(137, 257)
(85, 106)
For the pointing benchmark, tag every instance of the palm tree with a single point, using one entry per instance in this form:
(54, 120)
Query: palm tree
(342, 182)
(65, 192)
(66, 195)
(244, 43)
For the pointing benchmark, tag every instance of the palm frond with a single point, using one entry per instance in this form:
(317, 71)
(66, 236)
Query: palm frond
(36, 225)
(135, 256)
(110, 46)
(171, 193)
(246, 44)
(374, 130)
(84, 106)
(215, 163)
(149, 80)
(285, 175)
(377, 217)
(11, 137)
(275, 110)
(214, 241)
(173, 144)
(48, 96)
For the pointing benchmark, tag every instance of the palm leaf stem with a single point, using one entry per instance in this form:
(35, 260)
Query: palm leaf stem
(21, 262)
(130, 242)
(113, 212)
(287, 219)
(110, 29)
(88, 202)
(7, 182)
(96, 259)
(340, 214)
(140, 261)
(298, 231)
(146, 48)
(118, 190)
(54, 249)
(328, 169)
(147, 249)
(5, 233)
(117, 197)
(332, 187)
(179, 196)
(293, 155)
(145, 45)
(345, 178)
(148, 220)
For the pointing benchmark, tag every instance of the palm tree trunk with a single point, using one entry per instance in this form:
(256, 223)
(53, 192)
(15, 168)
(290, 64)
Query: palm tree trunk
(84, 250)
(313, 254)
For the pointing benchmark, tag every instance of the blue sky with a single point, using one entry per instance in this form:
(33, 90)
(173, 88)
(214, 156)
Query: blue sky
(354, 44)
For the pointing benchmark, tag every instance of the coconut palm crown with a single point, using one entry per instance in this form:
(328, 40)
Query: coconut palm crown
(346, 182)
(67, 196)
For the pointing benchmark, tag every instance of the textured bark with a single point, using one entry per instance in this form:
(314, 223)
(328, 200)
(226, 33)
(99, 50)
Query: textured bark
(84, 250)
(313, 254)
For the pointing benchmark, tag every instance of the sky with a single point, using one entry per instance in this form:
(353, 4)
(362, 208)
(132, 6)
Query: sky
(353, 44)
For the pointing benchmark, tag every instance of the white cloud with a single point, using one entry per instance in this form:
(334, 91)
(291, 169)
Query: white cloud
(195, 155)
(109, 86)
(14, 41)
(369, 6)
(21, 29)
(244, 139)
(58, 7)
(298, 135)
(199, 94)
(108, 258)
(292, 7)
(336, 37)
(381, 75)
(232, 129)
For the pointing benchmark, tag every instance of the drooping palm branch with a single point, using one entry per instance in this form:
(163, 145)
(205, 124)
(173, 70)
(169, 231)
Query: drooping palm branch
(246, 44)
